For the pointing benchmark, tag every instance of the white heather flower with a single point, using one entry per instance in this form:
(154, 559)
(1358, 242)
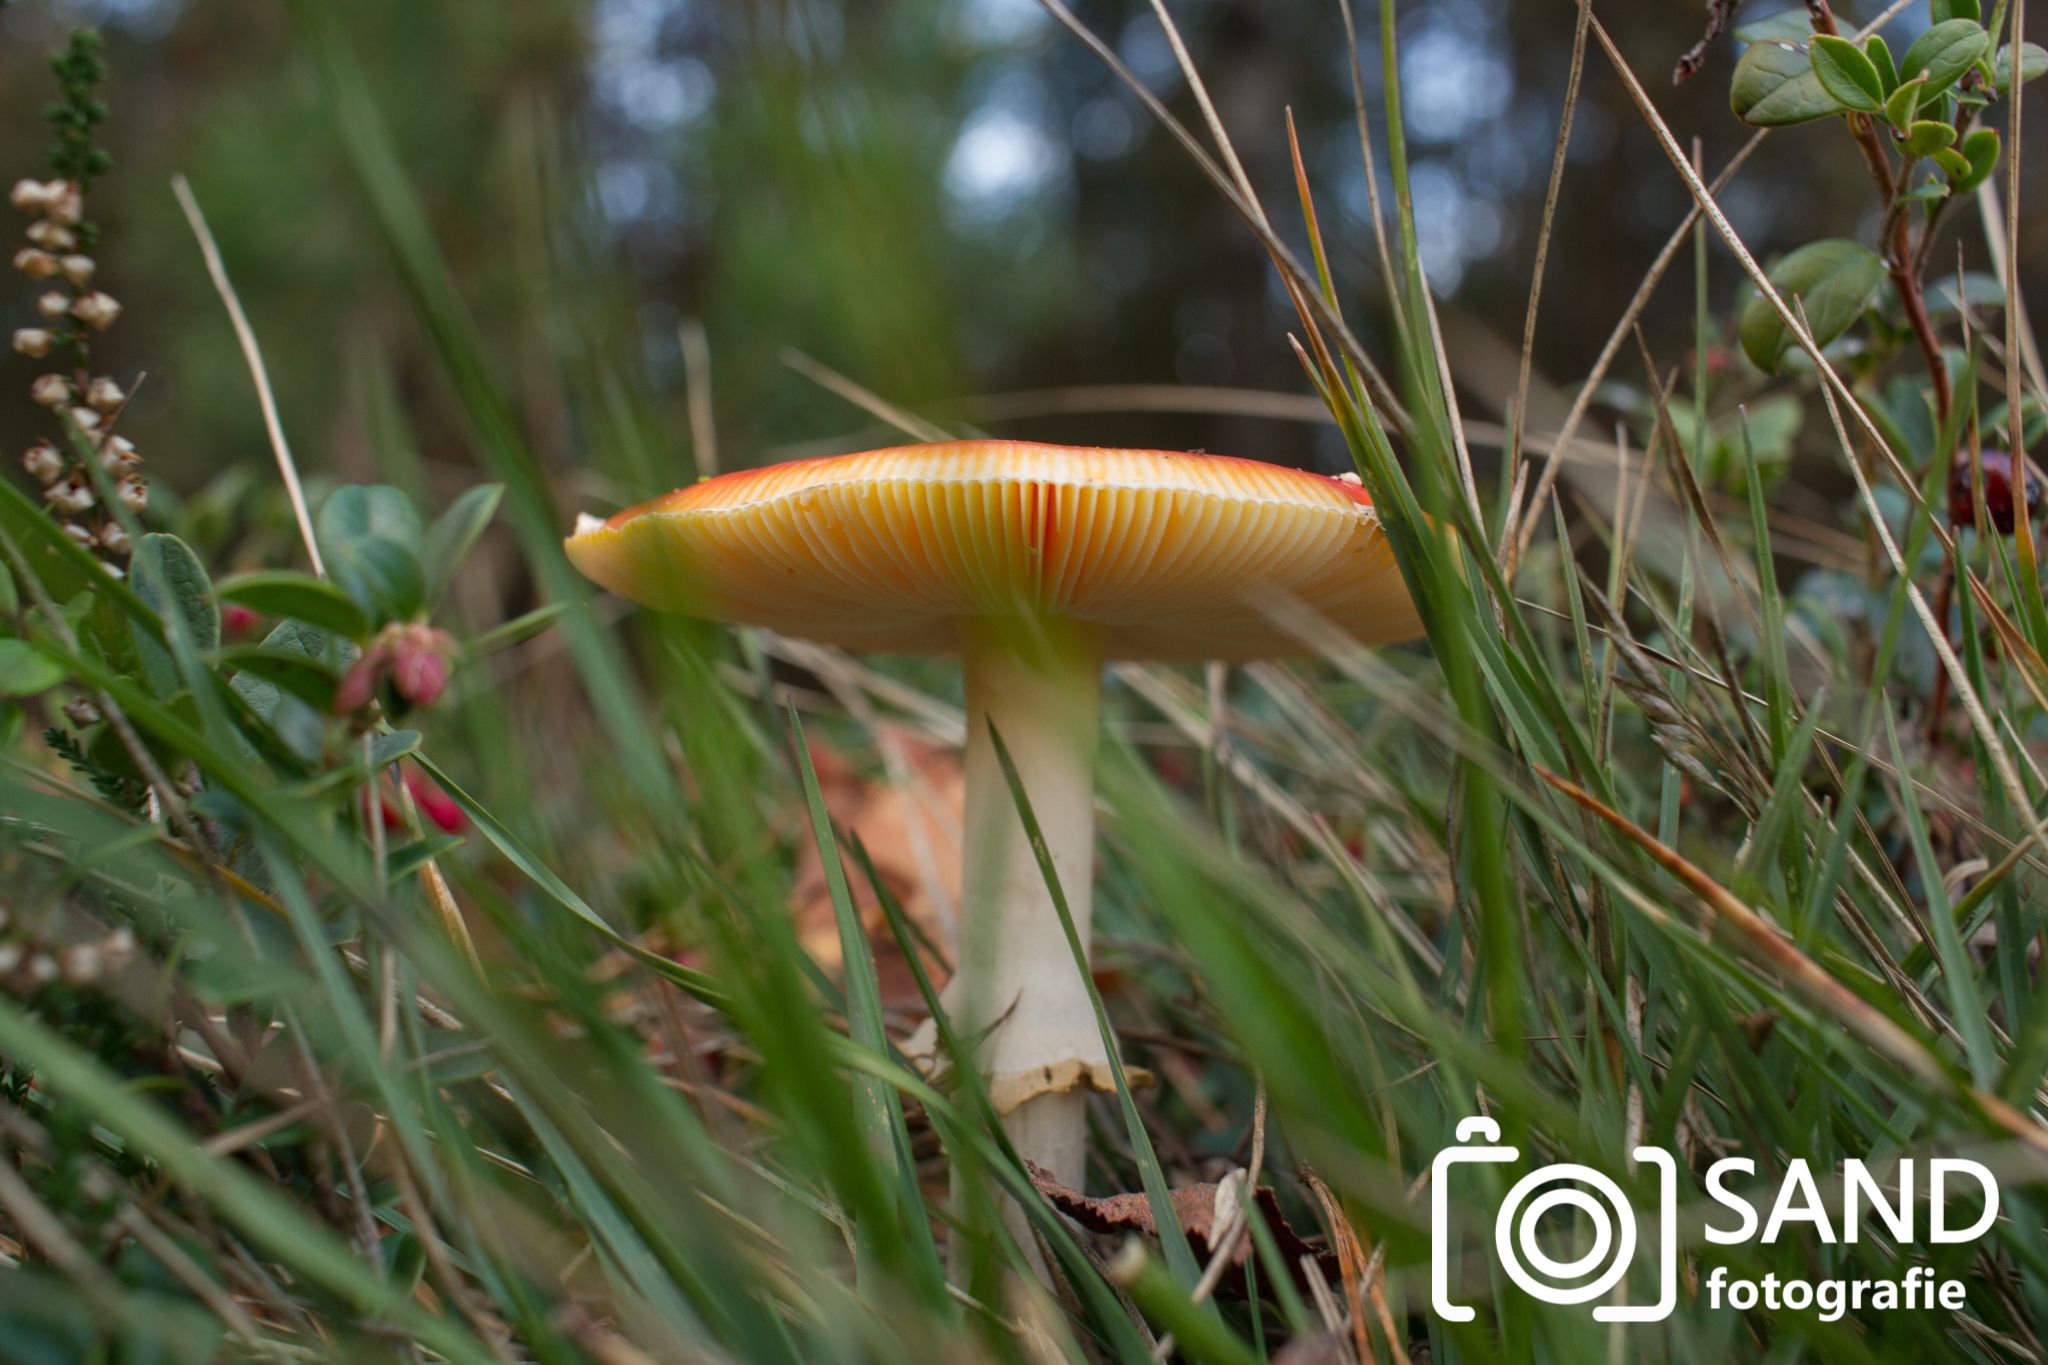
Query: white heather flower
(118, 947)
(35, 263)
(119, 455)
(96, 310)
(53, 304)
(86, 418)
(113, 539)
(71, 495)
(43, 463)
(34, 342)
(52, 236)
(10, 957)
(66, 205)
(133, 490)
(81, 963)
(77, 269)
(82, 712)
(50, 390)
(42, 968)
(30, 196)
(104, 394)
(81, 536)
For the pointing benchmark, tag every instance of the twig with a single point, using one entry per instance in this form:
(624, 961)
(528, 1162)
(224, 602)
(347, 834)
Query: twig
(1518, 420)
(210, 250)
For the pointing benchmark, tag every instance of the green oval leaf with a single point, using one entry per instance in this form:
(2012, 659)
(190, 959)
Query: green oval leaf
(1846, 73)
(169, 577)
(1979, 291)
(386, 750)
(1928, 136)
(1833, 281)
(1775, 87)
(455, 532)
(301, 726)
(298, 597)
(305, 677)
(1942, 11)
(26, 670)
(1954, 164)
(1903, 103)
(361, 511)
(382, 575)
(1943, 53)
(1881, 57)
(1980, 157)
(1783, 26)
(2033, 63)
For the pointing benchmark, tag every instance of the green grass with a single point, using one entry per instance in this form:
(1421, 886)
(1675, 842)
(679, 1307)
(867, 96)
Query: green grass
(1641, 846)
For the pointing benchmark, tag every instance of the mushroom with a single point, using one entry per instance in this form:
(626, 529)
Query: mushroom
(1034, 564)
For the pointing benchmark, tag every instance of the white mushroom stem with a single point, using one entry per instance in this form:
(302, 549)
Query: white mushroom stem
(1039, 682)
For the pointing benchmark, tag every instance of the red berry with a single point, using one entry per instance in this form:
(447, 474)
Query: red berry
(1998, 492)
(238, 622)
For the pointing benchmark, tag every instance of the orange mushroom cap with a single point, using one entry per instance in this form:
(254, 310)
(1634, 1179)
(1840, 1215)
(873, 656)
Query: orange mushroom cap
(1176, 556)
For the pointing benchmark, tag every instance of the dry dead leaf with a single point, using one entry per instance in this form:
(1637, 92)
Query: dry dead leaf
(1195, 1207)
(891, 822)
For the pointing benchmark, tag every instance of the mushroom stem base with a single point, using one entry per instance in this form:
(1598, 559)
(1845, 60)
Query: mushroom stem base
(1039, 683)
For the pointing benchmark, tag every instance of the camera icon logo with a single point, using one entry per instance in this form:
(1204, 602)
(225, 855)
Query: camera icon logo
(1592, 1194)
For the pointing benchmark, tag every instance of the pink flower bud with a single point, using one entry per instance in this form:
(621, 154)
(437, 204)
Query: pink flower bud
(437, 806)
(413, 659)
(419, 668)
(359, 685)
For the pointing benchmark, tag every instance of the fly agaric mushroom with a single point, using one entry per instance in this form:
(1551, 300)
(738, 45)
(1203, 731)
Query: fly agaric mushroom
(1035, 564)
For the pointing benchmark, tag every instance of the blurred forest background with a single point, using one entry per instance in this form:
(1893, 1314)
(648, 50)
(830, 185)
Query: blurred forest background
(954, 204)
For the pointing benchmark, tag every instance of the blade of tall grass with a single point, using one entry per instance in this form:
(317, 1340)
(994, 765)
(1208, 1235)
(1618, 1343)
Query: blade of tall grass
(266, 1217)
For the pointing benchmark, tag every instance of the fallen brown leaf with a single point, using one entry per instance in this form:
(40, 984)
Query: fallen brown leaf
(889, 822)
(1195, 1207)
